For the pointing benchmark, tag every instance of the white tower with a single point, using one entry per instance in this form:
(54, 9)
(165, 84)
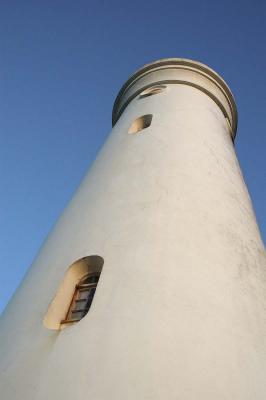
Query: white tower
(164, 221)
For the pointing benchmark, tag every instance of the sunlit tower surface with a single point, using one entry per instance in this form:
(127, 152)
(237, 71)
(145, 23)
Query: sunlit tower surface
(152, 285)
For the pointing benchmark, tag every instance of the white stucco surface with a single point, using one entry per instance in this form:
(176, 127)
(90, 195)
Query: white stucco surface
(180, 309)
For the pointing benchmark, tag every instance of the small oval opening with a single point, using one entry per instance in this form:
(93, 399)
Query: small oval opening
(75, 294)
(152, 91)
(140, 123)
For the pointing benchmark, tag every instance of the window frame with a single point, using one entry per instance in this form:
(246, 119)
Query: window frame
(78, 288)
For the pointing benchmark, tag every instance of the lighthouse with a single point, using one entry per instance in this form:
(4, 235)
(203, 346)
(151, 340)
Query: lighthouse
(152, 284)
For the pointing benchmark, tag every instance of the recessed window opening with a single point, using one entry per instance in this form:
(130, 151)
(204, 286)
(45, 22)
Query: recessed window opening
(140, 123)
(153, 90)
(75, 294)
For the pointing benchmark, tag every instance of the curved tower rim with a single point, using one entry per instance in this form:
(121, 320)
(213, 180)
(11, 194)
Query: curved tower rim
(176, 63)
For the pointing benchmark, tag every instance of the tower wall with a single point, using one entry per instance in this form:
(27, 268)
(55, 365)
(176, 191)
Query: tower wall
(179, 312)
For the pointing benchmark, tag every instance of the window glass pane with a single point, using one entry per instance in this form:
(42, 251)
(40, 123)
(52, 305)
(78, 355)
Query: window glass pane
(83, 294)
(92, 279)
(80, 305)
(77, 315)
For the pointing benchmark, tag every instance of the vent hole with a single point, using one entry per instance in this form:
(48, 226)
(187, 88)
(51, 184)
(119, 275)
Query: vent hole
(140, 123)
(153, 90)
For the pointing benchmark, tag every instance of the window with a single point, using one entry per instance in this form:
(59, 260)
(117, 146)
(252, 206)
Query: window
(74, 295)
(153, 90)
(140, 123)
(82, 298)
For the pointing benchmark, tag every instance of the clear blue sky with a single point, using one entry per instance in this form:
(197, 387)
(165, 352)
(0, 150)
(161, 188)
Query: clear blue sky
(61, 66)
